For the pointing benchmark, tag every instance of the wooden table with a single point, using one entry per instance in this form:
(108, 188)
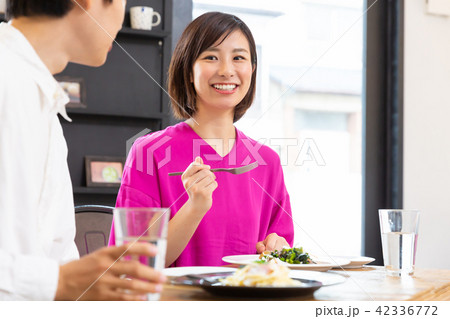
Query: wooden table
(364, 284)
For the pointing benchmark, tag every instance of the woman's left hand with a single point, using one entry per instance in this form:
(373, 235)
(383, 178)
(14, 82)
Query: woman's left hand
(271, 243)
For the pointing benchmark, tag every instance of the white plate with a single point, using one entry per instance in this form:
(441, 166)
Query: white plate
(322, 265)
(356, 261)
(181, 271)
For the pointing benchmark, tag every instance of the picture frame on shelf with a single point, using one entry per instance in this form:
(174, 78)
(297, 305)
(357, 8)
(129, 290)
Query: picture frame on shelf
(75, 89)
(104, 171)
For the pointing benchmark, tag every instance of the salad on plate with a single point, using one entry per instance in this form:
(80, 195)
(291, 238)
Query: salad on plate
(294, 255)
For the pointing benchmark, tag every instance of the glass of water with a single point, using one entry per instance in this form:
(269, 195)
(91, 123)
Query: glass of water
(399, 230)
(143, 224)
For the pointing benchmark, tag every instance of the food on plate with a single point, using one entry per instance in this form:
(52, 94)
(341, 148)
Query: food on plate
(288, 255)
(269, 274)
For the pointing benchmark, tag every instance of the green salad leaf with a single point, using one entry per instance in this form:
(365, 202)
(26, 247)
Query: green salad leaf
(290, 255)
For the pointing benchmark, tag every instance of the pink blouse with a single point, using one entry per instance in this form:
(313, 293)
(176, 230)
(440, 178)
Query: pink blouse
(246, 208)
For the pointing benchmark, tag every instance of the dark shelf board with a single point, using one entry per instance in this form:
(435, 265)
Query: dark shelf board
(155, 115)
(144, 33)
(96, 190)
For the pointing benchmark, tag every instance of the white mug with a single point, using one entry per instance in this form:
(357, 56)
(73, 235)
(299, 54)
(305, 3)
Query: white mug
(2, 6)
(142, 18)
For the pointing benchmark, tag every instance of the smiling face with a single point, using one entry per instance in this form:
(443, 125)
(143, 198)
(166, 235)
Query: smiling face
(222, 73)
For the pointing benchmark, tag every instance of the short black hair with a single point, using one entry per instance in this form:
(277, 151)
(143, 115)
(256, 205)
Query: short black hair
(198, 36)
(29, 8)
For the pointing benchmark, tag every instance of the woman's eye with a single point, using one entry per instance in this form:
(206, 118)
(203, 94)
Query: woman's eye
(210, 57)
(239, 57)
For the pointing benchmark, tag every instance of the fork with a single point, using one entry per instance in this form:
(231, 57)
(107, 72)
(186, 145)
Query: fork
(235, 170)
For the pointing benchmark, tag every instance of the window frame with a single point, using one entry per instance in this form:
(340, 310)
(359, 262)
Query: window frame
(383, 118)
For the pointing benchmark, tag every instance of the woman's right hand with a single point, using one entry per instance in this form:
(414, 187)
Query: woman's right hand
(200, 183)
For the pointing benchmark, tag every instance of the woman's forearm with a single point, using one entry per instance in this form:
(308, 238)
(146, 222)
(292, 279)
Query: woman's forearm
(181, 228)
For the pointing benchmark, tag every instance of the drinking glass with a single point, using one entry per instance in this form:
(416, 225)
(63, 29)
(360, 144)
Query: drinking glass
(399, 230)
(143, 224)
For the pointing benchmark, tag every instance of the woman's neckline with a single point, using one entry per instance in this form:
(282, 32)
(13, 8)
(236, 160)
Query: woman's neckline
(233, 149)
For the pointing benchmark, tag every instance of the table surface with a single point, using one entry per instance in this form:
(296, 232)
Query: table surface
(364, 284)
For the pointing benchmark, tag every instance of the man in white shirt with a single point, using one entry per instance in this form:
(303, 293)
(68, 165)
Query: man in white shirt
(38, 257)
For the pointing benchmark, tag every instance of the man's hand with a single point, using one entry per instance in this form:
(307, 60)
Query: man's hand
(102, 268)
(271, 243)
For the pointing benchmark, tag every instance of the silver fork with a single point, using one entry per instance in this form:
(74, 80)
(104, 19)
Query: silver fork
(235, 170)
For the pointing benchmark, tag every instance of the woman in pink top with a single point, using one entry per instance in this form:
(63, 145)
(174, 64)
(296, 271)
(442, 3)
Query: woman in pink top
(212, 80)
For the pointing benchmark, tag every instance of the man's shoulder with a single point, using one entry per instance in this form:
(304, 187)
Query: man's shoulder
(13, 68)
(14, 81)
(7, 57)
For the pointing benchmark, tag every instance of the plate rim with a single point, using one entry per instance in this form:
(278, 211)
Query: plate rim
(236, 292)
(352, 258)
(355, 263)
(319, 285)
(323, 265)
(213, 270)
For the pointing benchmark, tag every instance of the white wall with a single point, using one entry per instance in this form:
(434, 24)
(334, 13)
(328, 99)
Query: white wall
(427, 130)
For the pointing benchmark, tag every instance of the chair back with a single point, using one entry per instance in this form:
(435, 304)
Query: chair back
(93, 225)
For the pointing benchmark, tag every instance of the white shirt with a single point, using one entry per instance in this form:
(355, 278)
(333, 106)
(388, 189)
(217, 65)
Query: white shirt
(37, 222)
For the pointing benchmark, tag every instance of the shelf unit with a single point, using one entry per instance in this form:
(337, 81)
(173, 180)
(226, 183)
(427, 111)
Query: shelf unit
(2, 17)
(124, 96)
